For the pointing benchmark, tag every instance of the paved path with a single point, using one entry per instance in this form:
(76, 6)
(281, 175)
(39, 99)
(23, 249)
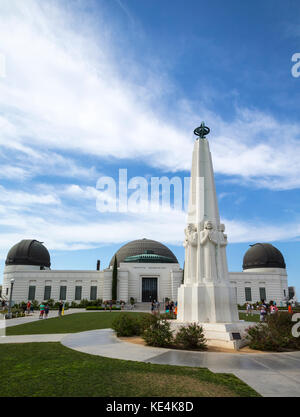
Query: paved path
(270, 374)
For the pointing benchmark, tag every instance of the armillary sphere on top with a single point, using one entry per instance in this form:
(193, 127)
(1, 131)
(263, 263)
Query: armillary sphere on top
(202, 130)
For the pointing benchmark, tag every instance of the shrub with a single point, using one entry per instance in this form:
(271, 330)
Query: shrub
(146, 321)
(84, 303)
(74, 304)
(274, 335)
(191, 337)
(126, 325)
(158, 334)
(50, 302)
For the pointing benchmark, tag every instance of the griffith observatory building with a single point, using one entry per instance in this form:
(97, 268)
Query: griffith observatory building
(147, 270)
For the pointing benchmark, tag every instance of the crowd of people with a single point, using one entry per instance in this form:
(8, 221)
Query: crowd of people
(264, 309)
(170, 307)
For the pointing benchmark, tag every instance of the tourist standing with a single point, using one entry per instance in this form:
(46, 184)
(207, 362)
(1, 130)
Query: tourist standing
(28, 306)
(42, 310)
(60, 308)
(248, 307)
(110, 305)
(46, 311)
(152, 307)
(263, 311)
(290, 309)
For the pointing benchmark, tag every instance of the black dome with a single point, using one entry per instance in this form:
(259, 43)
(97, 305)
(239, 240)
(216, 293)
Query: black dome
(263, 255)
(28, 252)
(138, 247)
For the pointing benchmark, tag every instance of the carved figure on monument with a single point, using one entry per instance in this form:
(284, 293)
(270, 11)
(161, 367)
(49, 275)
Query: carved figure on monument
(190, 244)
(209, 241)
(222, 261)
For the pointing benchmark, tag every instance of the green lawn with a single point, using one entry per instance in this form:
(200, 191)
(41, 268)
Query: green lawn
(253, 318)
(79, 322)
(50, 369)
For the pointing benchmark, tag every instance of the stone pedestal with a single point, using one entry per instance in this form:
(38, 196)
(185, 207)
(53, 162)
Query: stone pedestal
(220, 335)
(207, 303)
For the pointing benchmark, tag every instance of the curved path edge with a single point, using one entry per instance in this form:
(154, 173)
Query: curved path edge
(270, 374)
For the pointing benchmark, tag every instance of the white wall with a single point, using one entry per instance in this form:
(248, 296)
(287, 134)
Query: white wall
(274, 280)
(26, 277)
(130, 282)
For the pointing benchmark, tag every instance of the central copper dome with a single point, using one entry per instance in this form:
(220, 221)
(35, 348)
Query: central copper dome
(142, 246)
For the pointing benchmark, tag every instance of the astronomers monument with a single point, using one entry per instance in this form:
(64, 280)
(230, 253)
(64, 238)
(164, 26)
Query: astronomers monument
(206, 297)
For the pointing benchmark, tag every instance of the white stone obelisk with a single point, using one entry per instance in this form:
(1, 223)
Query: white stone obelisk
(206, 295)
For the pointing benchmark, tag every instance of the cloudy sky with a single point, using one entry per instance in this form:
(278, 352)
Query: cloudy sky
(88, 87)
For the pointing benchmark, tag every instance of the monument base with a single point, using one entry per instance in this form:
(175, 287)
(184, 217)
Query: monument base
(220, 335)
(207, 303)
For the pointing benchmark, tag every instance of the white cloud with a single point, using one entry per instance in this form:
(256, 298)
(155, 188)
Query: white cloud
(71, 95)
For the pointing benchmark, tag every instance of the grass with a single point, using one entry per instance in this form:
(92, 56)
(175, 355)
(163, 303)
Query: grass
(72, 323)
(52, 370)
(79, 322)
(253, 318)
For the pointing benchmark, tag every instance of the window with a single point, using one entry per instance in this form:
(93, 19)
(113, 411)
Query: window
(63, 292)
(284, 293)
(262, 294)
(78, 292)
(31, 293)
(7, 291)
(248, 294)
(47, 292)
(93, 293)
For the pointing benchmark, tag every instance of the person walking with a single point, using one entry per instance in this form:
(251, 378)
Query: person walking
(46, 310)
(28, 306)
(42, 310)
(60, 308)
(263, 311)
(248, 307)
(110, 305)
(152, 307)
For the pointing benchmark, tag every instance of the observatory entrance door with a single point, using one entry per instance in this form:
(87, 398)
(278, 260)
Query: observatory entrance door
(149, 289)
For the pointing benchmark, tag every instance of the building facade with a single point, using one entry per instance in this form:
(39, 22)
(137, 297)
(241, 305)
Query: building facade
(147, 270)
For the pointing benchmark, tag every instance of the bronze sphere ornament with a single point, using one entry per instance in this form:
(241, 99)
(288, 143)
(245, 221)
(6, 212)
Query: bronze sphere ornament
(202, 131)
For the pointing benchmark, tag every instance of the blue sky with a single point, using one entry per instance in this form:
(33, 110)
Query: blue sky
(90, 87)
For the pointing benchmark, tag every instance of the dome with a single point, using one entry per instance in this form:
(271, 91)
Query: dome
(147, 247)
(28, 252)
(263, 255)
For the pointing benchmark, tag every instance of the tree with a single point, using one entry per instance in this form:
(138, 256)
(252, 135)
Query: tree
(114, 280)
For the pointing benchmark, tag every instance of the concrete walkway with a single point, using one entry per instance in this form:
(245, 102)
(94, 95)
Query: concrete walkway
(270, 374)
